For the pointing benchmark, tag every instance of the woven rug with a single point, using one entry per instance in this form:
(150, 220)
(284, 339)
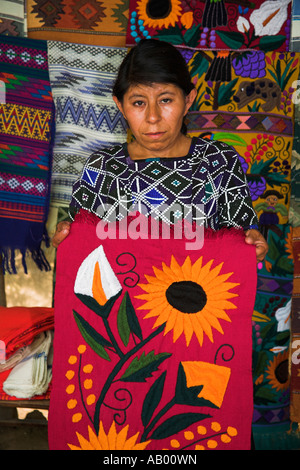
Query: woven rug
(83, 22)
(26, 132)
(13, 18)
(260, 24)
(86, 117)
(140, 362)
(245, 100)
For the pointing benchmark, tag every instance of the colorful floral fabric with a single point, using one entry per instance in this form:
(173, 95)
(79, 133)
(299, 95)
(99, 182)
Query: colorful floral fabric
(271, 334)
(246, 100)
(262, 25)
(152, 346)
(295, 329)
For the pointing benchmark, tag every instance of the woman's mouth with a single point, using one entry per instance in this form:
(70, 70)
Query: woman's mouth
(154, 135)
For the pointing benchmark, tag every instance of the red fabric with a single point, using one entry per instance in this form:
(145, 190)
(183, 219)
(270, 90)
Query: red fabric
(181, 385)
(18, 328)
(19, 325)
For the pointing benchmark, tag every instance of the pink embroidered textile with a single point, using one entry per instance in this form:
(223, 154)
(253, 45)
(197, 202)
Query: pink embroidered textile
(152, 345)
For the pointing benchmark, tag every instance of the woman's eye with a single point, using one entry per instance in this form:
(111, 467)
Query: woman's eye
(138, 103)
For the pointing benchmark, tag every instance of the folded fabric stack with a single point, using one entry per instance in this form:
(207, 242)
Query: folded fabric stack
(27, 335)
(33, 374)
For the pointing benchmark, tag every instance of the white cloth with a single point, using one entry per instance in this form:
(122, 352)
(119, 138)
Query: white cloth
(33, 374)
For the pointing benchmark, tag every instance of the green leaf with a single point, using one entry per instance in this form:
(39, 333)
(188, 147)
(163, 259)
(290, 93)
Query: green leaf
(92, 337)
(101, 310)
(271, 43)
(189, 395)
(127, 320)
(262, 167)
(199, 65)
(153, 398)
(172, 35)
(142, 368)
(233, 40)
(192, 36)
(122, 322)
(230, 138)
(226, 92)
(176, 424)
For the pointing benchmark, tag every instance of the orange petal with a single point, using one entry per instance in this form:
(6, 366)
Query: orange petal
(97, 289)
(196, 268)
(187, 269)
(204, 271)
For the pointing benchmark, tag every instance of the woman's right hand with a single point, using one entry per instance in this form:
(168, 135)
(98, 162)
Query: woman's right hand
(62, 231)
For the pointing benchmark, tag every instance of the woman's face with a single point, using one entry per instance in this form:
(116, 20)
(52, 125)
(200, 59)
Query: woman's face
(155, 114)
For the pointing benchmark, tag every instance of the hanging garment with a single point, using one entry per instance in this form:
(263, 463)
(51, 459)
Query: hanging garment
(26, 133)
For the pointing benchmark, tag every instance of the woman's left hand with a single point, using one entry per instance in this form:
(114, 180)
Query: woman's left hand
(254, 237)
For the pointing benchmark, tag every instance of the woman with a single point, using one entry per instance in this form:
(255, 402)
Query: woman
(166, 175)
(154, 93)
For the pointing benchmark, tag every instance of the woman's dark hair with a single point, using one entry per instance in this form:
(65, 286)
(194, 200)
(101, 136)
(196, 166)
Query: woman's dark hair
(152, 61)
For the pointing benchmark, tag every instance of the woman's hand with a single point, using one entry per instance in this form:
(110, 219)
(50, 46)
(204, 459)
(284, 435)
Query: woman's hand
(254, 237)
(62, 231)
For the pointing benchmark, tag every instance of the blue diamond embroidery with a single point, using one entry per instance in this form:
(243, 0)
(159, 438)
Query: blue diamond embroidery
(176, 183)
(90, 176)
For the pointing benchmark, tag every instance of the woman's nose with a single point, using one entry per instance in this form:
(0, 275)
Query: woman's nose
(153, 112)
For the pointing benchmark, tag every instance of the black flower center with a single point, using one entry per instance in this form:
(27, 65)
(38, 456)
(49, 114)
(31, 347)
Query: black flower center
(186, 296)
(158, 9)
(282, 372)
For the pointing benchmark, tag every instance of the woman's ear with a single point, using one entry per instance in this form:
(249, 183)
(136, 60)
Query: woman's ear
(119, 104)
(189, 100)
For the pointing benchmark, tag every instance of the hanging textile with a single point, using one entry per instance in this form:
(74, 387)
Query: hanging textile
(294, 210)
(13, 18)
(271, 341)
(295, 331)
(250, 107)
(87, 119)
(260, 24)
(83, 22)
(152, 346)
(26, 132)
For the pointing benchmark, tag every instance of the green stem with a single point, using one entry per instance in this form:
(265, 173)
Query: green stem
(116, 370)
(112, 338)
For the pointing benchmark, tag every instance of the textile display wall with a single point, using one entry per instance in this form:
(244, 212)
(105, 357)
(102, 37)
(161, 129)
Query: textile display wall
(244, 59)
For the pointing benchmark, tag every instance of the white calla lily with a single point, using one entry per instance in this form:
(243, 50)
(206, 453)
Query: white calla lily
(242, 24)
(269, 17)
(283, 316)
(96, 278)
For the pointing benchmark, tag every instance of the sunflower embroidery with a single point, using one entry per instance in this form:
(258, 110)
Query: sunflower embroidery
(190, 299)
(110, 441)
(166, 14)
